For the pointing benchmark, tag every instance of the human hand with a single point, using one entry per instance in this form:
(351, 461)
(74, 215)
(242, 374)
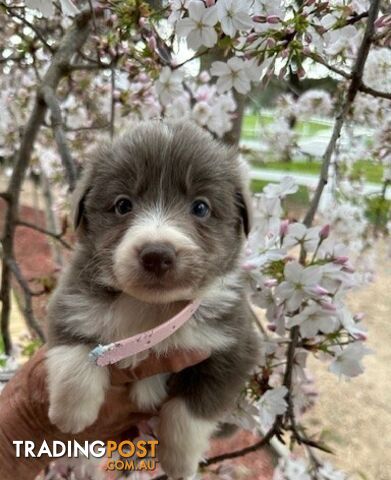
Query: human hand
(24, 406)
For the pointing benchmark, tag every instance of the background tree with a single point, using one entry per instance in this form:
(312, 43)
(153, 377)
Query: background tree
(72, 71)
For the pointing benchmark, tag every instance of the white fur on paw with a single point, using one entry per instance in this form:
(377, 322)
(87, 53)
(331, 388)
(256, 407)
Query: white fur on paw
(72, 418)
(149, 393)
(182, 439)
(76, 388)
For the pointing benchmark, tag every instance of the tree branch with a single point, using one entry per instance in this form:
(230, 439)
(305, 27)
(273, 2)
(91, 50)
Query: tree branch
(28, 304)
(56, 236)
(112, 103)
(236, 453)
(354, 87)
(375, 93)
(72, 42)
(362, 87)
(59, 135)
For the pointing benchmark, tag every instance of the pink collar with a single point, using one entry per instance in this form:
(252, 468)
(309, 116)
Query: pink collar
(114, 352)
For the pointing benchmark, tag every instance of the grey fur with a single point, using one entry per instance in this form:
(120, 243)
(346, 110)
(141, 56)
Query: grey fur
(169, 164)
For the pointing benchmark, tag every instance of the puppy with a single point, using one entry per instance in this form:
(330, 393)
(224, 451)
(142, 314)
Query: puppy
(161, 216)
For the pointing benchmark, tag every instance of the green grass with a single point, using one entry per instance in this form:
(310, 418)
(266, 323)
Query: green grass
(2, 362)
(253, 123)
(295, 166)
(372, 172)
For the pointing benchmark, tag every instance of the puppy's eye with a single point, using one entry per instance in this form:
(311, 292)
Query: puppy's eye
(200, 208)
(123, 206)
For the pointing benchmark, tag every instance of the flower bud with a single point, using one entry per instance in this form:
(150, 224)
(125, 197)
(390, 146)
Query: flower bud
(282, 73)
(284, 228)
(248, 266)
(271, 327)
(210, 3)
(270, 282)
(318, 290)
(252, 37)
(152, 43)
(116, 95)
(348, 268)
(204, 77)
(143, 78)
(341, 260)
(330, 307)
(273, 19)
(259, 19)
(359, 316)
(383, 21)
(301, 72)
(325, 232)
(360, 336)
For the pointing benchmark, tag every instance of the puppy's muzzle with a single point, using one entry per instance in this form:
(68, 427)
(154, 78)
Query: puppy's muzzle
(157, 258)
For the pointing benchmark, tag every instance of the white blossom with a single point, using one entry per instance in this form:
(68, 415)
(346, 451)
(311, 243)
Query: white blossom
(271, 404)
(348, 361)
(334, 277)
(299, 284)
(201, 113)
(232, 74)
(245, 416)
(69, 8)
(328, 472)
(233, 16)
(314, 102)
(198, 27)
(287, 186)
(262, 248)
(267, 214)
(169, 85)
(220, 119)
(313, 319)
(45, 7)
(177, 6)
(299, 234)
(179, 107)
(341, 39)
(290, 468)
(377, 72)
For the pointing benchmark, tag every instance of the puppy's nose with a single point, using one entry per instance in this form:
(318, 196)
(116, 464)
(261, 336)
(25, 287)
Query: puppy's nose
(157, 258)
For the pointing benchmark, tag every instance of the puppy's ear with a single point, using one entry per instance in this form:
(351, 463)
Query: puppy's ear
(243, 197)
(244, 212)
(79, 197)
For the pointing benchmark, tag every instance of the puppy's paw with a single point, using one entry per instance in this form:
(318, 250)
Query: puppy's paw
(149, 393)
(72, 418)
(182, 439)
(178, 465)
(76, 388)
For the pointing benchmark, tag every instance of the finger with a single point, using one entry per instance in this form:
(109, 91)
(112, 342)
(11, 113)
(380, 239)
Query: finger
(175, 361)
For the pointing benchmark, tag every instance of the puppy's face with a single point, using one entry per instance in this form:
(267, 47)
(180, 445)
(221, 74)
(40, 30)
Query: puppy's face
(162, 212)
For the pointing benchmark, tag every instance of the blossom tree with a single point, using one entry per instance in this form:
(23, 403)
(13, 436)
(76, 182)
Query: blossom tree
(70, 70)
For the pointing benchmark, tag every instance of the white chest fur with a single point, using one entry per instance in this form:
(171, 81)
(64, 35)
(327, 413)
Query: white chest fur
(126, 316)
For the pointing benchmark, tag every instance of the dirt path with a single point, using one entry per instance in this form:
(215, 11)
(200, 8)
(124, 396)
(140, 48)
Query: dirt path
(355, 416)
